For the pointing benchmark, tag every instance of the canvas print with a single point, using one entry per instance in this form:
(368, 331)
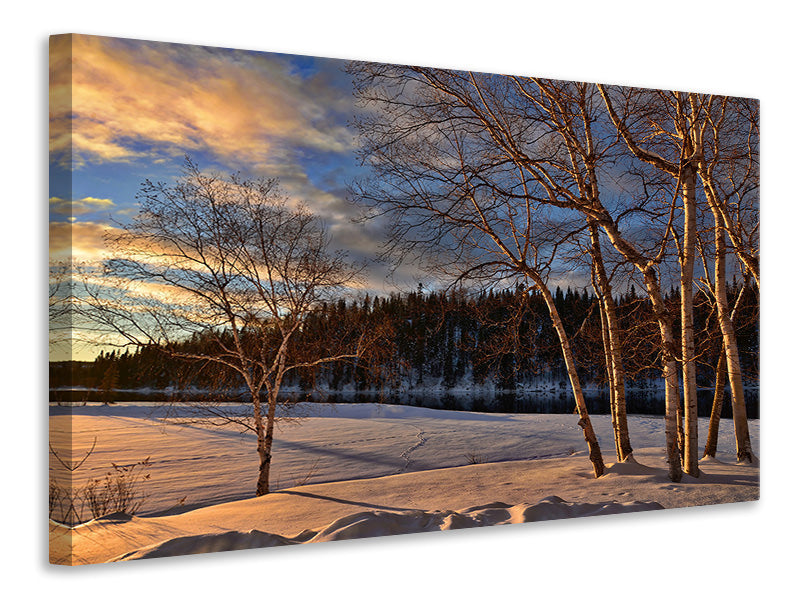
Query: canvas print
(298, 300)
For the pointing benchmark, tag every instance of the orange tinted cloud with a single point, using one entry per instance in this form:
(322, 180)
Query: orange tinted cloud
(129, 99)
(81, 241)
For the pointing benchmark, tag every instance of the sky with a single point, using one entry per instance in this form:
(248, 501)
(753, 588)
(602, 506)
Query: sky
(138, 108)
(123, 110)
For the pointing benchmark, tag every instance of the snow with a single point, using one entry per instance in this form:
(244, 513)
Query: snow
(378, 522)
(361, 470)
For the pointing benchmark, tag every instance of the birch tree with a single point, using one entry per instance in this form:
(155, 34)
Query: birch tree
(534, 142)
(713, 139)
(567, 109)
(721, 377)
(665, 130)
(730, 180)
(610, 331)
(234, 262)
(452, 202)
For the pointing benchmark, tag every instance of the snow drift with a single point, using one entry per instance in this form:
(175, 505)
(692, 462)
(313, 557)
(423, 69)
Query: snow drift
(381, 523)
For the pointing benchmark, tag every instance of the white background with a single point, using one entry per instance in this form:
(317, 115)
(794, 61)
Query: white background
(737, 48)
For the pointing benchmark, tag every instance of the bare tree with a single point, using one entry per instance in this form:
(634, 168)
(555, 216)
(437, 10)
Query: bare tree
(715, 139)
(720, 378)
(451, 200)
(231, 261)
(577, 151)
(532, 142)
(666, 130)
(612, 344)
(730, 180)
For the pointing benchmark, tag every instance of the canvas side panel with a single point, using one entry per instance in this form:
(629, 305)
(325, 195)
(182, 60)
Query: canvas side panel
(62, 510)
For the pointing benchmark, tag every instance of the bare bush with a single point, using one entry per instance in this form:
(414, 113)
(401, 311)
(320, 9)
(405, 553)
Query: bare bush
(474, 458)
(120, 491)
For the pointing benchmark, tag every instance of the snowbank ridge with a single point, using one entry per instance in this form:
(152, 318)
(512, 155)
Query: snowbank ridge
(381, 523)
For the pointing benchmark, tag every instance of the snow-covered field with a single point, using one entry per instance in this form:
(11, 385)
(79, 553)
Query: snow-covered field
(346, 470)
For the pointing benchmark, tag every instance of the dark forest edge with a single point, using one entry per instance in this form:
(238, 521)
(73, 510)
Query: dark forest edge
(499, 343)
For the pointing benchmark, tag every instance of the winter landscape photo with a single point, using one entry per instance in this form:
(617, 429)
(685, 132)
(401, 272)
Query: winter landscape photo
(297, 299)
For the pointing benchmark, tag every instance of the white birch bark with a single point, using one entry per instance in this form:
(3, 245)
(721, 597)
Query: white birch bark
(690, 445)
(716, 407)
(611, 340)
(669, 351)
(744, 451)
(670, 374)
(612, 396)
(585, 422)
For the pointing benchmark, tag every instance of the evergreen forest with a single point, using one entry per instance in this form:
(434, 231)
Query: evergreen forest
(440, 340)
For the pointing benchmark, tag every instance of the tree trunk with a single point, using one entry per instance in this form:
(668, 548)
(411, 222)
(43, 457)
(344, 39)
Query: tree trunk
(264, 445)
(716, 408)
(595, 456)
(616, 380)
(671, 401)
(744, 451)
(668, 349)
(265, 440)
(263, 476)
(670, 373)
(690, 445)
(612, 396)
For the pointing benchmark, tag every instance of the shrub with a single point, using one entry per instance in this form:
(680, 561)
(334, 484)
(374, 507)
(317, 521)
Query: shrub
(119, 491)
(474, 459)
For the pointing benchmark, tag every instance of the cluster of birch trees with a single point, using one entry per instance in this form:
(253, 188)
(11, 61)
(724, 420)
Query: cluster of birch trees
(490, 178)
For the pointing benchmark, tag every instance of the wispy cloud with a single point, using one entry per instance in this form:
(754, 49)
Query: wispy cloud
(130, 99)
(75, 208)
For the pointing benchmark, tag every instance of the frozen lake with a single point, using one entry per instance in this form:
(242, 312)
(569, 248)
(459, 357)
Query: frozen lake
(556, 400)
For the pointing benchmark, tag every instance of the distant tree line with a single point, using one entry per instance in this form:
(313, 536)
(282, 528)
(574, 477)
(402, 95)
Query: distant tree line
(498, 338)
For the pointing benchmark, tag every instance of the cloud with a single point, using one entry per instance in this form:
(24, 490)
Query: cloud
(134, 104)
(75, 208)
(81, 241)
(116, 100)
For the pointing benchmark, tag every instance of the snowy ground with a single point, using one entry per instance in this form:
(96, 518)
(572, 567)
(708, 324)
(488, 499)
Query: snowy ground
(348, 471)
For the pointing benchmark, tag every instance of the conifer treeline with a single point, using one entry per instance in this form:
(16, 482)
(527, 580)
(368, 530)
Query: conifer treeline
(503, 339)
